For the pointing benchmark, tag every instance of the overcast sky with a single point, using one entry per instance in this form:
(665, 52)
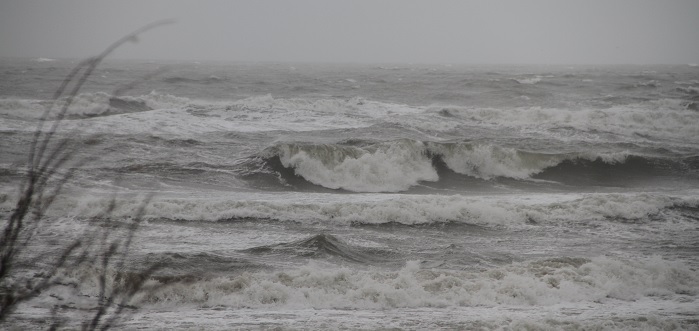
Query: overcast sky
(460, 31)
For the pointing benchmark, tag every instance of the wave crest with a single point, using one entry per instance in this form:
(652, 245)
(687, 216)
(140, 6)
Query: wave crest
(538, 283)
(379, 168)
(398, 165)
(489, 161)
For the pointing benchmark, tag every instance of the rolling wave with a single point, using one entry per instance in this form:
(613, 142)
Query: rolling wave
(84, 105)
(398, 165)
(544, 282)
(324, 245)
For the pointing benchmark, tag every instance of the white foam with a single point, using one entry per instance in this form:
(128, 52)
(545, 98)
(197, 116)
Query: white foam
(21, 109)
(539, 283)
(689, 89)
(665, 118)
(543, 293)
(488, 161)
(644, 314)
(529, 80)
(690, 82)
(649, 83)
(174, 115)
(660, 119)
(83, 105)
(388, 168)
(496, 211)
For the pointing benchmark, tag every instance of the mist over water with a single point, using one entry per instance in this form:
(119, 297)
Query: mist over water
(385, 196)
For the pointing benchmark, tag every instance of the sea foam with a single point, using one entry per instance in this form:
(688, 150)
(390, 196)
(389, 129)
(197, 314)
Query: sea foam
(545, 282)
(662, 118)
(493, 211)
(386, 168)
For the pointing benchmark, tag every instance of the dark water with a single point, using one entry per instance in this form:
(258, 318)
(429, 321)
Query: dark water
(385, 196)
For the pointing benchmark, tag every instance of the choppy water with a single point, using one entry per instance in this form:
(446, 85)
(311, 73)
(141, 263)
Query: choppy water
(381, 196)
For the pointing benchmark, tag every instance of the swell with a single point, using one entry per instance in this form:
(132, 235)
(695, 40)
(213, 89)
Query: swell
(324, 246)
(88, 105)
(189, 80)
(167, 168)
(634, 169)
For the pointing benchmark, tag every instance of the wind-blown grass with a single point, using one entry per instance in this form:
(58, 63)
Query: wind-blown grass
(52, 163)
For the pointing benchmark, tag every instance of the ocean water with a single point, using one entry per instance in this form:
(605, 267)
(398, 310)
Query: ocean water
(318, 196)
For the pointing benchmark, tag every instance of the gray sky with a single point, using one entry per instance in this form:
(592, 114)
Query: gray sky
(460, 31)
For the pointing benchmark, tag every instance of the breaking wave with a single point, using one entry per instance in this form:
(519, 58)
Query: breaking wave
(379, 168)
(398, 165)
(529, 80)
(543, 282)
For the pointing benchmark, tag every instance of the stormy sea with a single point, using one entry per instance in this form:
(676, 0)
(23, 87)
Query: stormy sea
(390, 196)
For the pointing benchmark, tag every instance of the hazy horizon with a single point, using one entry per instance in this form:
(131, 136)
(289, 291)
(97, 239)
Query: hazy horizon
(310, 31)
(292, 63)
